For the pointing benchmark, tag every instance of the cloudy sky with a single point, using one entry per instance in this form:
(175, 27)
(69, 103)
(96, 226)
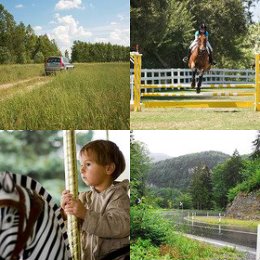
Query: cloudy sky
(70, 20)
(176, 142)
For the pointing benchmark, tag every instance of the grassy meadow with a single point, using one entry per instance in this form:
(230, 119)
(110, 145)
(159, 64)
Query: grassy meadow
(15, 72)
(92, 96)
(195, 119)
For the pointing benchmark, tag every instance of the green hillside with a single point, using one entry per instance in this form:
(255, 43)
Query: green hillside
(177, 172)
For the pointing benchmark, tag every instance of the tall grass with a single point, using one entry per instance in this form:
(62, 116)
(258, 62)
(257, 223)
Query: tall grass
(92, 96)
(10, 73)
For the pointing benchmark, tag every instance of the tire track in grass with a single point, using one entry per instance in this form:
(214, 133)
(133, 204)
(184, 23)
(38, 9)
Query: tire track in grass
(9, 90)
(13, 84)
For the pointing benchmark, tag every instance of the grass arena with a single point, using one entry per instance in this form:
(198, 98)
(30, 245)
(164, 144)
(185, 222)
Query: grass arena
(228, 99)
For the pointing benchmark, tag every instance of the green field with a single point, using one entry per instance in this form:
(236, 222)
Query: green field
(195, 119)
(92, 96)
(11, 73)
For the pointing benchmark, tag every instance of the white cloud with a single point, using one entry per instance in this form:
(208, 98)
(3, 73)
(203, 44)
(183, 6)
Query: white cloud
(19, 6)
(115, 34)
(67, 31)
(117, 31)
(37, 29)
(120, 36)
(68, 4)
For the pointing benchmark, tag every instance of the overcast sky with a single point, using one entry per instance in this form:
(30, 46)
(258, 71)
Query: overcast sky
(176, 142)
(70, 20)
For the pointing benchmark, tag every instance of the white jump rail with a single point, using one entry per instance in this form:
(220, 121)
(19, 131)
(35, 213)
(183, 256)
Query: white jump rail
(258, 244)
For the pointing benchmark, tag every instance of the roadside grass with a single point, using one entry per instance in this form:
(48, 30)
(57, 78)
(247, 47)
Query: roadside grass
(181, 248)
(153, 237)
(228, 221)
(10, 73)
(92, 96)
(195, 119)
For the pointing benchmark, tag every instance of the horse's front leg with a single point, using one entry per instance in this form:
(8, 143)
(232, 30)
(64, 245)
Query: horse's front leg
(199, 82)
(193, 83)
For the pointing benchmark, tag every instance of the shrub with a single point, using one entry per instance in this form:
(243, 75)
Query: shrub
(148, 224)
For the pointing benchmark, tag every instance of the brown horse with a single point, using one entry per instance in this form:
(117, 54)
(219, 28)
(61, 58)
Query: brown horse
(199, 61)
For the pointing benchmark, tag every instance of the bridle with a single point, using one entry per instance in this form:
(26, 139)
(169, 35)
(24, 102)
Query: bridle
(36, 209)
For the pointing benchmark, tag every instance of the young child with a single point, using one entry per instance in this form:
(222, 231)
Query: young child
(105, 210)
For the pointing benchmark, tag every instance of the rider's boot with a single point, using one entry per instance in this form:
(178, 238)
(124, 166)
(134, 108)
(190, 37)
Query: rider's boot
(211, 59)
(186, 59)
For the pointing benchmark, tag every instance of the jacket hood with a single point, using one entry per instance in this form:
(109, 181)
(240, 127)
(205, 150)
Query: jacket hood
(116, 185)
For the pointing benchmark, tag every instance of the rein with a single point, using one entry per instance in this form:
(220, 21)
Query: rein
(35, 211)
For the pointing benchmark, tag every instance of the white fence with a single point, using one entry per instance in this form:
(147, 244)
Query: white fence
(183, 76)
(258, 244)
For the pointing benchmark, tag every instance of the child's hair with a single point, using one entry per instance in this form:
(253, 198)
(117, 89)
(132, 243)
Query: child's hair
(106, 152)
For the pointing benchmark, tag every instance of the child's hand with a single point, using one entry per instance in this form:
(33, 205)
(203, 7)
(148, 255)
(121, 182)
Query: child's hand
(75, 207)
(65, 198)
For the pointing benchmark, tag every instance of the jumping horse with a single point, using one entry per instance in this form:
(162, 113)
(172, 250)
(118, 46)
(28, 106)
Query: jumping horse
(199, 61)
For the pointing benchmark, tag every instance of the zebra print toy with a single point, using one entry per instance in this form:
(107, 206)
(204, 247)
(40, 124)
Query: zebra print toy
(31, 226)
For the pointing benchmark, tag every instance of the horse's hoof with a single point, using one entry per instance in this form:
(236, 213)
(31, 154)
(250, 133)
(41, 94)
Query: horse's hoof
(192, 86)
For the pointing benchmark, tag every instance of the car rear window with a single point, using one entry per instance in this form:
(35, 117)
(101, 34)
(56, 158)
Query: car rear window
(54, 59)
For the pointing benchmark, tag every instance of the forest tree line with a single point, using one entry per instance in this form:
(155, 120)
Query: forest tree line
(98, 52)
(20, 44)
(208, 188)
(164, 29)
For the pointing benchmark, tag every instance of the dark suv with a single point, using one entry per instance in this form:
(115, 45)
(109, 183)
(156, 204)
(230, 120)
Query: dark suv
(57, 63)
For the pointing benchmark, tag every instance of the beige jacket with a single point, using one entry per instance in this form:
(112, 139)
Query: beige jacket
(107, 223)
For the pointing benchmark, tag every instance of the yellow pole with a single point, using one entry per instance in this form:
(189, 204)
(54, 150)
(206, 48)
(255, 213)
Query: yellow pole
(71, 184)
(137, 81)
(257, 82)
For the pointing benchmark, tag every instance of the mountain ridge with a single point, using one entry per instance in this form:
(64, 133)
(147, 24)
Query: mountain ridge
(177, 172)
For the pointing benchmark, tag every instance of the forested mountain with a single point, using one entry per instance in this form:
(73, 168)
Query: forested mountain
(177, 172)
(164, 29)
(156, 157)
(19, 43)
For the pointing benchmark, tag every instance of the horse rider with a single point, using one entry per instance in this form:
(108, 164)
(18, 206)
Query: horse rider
(202, 30)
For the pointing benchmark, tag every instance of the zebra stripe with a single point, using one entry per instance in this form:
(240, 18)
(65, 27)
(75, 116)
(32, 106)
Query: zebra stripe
(49, 239)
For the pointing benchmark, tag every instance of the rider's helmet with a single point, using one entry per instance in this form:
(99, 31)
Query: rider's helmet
(203, 28)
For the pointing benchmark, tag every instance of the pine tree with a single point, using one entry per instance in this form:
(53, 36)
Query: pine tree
(201, 188)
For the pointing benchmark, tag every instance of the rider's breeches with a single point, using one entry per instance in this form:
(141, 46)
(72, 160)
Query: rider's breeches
(209, 46)
(193, 44)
